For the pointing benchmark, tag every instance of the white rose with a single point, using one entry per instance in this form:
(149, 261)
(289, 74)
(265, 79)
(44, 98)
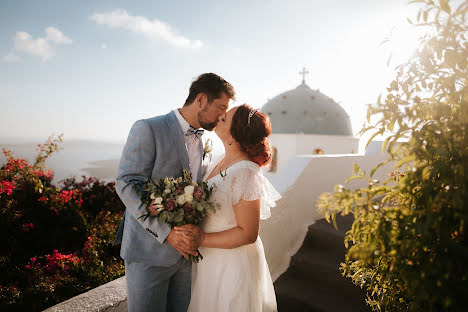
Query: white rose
(188, 197)
(189, 190)
(167, 191)
(152, 196)
(157, 200)
(180, 199)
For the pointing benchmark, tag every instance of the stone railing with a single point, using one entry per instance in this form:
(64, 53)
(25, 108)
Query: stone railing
(110, 297)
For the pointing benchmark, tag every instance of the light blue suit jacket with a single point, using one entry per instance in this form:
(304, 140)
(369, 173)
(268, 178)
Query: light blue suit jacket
(155, 149)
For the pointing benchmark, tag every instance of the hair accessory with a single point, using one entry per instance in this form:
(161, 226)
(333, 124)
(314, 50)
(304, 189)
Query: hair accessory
(251, 113)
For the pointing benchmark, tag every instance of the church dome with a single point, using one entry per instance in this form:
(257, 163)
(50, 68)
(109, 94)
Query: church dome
(303, 110)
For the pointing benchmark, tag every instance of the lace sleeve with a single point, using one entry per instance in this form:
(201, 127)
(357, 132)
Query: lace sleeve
(248, 184)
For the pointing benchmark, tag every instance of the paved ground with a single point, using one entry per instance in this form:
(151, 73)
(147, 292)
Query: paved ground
(313, 281)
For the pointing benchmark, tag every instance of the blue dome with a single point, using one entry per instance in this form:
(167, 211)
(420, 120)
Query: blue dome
(303, 110)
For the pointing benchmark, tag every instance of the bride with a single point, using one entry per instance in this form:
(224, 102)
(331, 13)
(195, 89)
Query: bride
(234, 275)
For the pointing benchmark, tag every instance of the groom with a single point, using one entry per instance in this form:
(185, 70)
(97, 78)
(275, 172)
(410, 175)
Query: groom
(158, 277)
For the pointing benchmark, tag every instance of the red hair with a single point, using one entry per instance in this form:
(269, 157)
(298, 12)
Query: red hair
(252, 136)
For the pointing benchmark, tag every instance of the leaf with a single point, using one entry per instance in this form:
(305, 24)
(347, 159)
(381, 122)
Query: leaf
(445, 6)
(375, 169)
(384, 41)
(354, 178)
(425, 173)
(373, 136)
(384, 144)
(334, 220)
(405, 160)
(391, 125)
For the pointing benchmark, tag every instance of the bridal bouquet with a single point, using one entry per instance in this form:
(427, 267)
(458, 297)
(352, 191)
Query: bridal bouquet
(177, 201)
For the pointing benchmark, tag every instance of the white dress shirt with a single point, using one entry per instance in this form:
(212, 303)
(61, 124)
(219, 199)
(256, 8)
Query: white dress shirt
(193, 146)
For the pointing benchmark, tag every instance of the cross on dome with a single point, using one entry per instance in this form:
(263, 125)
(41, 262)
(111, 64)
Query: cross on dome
(303, 73)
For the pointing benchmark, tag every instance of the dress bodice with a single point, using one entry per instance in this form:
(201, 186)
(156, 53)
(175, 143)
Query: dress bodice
(243, 180)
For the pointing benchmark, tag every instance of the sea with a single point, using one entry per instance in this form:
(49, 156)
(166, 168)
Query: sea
(80, 157)
(74, 159)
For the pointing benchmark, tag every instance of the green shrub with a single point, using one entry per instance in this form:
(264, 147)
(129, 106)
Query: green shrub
(56, 241)
(408, 244)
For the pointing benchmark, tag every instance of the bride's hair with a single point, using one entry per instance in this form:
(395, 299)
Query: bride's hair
(251, 129)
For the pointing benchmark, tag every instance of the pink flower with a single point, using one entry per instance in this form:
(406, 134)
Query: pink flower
(198, 192)
(28, 226)
(7, 187)
(189, 209)
(170, 204)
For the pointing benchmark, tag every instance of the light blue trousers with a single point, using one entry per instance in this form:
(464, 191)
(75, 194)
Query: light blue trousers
(158, 289)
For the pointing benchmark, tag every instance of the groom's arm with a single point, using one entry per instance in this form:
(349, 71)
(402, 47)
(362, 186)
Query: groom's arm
(135, 168)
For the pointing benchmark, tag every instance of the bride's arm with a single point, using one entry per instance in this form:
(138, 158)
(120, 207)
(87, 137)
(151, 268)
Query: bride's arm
(246, 232)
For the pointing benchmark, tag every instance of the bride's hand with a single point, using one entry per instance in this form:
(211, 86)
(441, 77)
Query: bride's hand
(192, 232)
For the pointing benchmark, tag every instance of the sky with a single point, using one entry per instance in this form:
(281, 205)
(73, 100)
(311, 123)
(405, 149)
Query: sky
(89, 69)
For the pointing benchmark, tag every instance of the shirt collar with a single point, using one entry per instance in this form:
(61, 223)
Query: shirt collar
(184, 125)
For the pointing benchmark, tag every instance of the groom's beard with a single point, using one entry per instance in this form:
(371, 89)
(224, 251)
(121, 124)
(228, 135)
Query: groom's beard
(205, 124)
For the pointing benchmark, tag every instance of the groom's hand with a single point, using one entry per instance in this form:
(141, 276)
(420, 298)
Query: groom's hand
(192, 233)
(183, 245)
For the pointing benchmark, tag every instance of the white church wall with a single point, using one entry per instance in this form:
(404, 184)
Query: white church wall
(290, 145)
(285, 145)
(300, 183)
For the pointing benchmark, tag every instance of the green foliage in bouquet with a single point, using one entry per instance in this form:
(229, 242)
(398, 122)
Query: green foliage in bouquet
(408, 244)
(177, 201)
(56, 242)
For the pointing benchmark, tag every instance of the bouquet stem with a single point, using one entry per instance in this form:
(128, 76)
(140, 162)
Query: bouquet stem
(195, 259)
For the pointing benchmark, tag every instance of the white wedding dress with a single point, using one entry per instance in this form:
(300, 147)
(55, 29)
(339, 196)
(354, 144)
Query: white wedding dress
(234, 279)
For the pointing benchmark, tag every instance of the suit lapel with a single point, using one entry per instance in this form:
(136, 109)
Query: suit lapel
(179, 141)
(201, 171)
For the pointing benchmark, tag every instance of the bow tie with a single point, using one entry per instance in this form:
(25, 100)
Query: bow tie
(197, 132)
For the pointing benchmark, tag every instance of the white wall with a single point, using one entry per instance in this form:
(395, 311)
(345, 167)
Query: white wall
(290, 145)
(300, 183)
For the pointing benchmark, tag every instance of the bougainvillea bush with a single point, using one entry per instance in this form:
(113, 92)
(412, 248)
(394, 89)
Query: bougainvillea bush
(56, 240)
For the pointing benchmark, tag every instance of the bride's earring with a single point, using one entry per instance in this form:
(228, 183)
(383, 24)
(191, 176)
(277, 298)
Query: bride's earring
(229, 143)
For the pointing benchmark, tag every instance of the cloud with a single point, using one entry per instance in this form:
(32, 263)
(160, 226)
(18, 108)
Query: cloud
(24, 42)
(55, 35)
(42, 47)
(103, 46)
(11, 58)
(141, 25)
